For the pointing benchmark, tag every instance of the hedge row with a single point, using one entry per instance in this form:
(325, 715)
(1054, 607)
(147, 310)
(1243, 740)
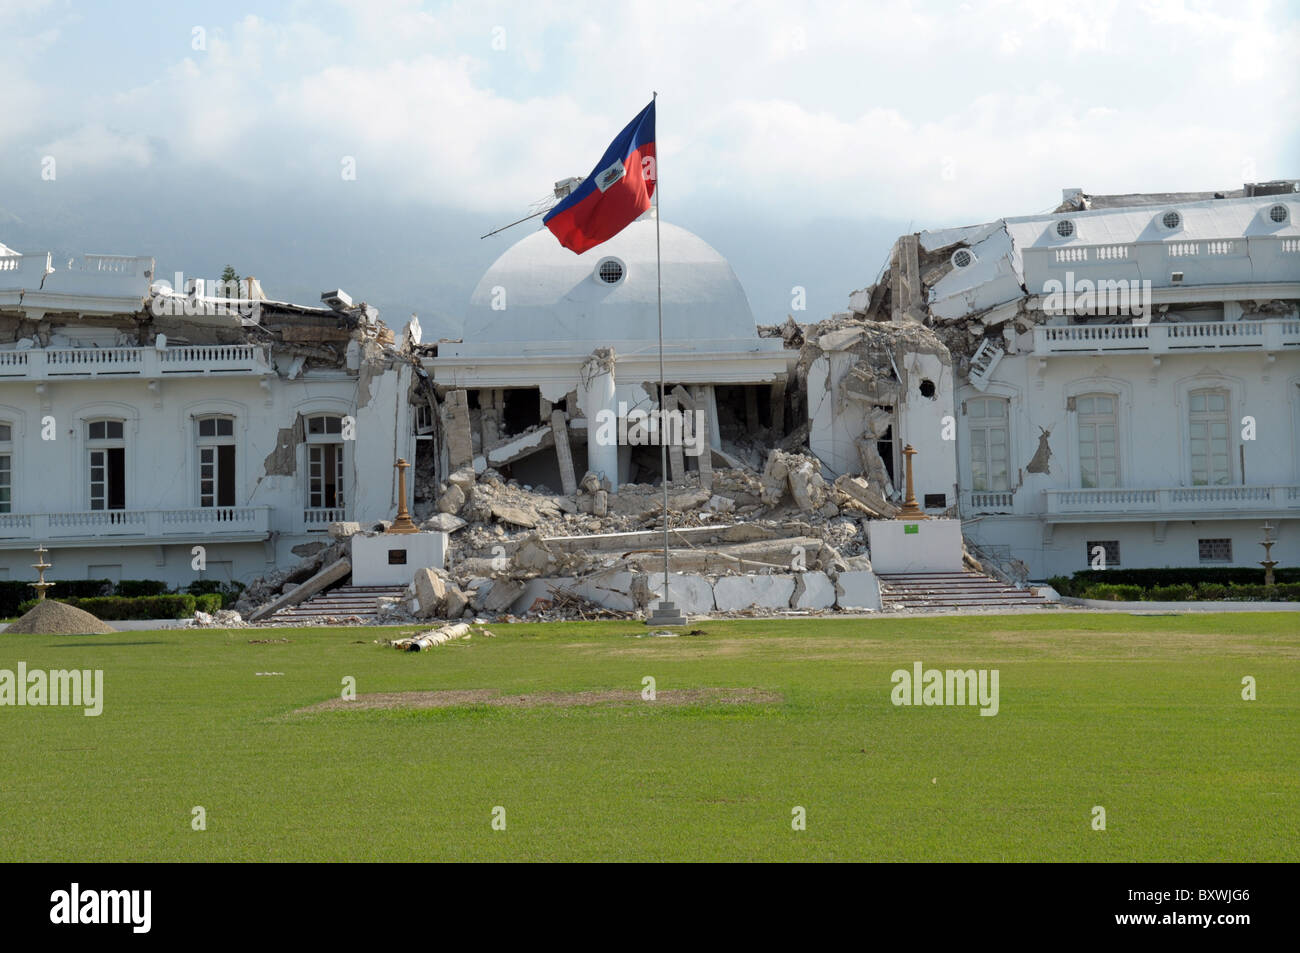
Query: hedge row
(1197, 575)
(118, 608)
(1184, 592)
(14, 594)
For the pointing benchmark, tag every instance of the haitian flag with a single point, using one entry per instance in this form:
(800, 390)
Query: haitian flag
(616, 193)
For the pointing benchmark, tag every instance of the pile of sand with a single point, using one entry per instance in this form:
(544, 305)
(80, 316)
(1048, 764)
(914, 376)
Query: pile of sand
(48, 617)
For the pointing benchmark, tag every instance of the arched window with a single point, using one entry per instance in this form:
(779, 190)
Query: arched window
(325, 462)
(989, 456)
(216, 445)
(106, 460)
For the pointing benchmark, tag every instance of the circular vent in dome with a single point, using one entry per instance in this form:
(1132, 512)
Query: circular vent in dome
(1065, 228)
(610, 271)
(1172, 220)
(961, 258)
(1277, 214)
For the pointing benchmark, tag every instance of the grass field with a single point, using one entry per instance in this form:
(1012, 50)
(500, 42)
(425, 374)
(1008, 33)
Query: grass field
(1140, 715)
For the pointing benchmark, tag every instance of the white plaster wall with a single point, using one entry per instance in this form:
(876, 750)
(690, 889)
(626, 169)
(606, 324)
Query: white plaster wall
(50, 476)
(922, 424)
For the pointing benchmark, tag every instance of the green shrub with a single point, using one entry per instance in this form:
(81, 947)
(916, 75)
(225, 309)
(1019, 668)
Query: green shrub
(209, 602)
(134, 588)
(14, 593)
(1065, 585)
(119, 608)
(229, 591)
(1190, 574)
(1289, 591)
(1211, 590)
(1181, 592)
(1113, 593)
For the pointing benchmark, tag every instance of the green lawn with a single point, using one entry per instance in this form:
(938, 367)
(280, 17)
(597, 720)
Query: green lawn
(1140, 715)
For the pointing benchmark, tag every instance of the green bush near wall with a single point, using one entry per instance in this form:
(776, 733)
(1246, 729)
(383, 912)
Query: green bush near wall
(16, 597)
(120, 608)
(1179, 585)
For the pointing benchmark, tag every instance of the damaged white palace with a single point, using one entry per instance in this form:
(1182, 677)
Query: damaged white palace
(1122, 374)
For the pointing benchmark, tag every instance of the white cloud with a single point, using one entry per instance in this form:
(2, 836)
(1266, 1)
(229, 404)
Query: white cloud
(836, 109)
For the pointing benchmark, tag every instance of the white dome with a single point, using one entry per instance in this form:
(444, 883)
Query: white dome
(543, 292)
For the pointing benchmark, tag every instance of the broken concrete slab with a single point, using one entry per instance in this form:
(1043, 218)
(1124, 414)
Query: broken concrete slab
(497, 595)
(443, 523)
(733, 593)
(331, 574)
(452, 500)
(514, 515)
(813, 590)
(857, 590)
(344, 530)
(430, 592)
(521, 446)
(691, 593)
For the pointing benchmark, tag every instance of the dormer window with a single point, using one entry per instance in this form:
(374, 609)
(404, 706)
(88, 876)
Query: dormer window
(1172, 220)
(1065, 228)
(1278, 214)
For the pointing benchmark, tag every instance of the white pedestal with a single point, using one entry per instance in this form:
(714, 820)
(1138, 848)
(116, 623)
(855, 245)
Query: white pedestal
(391, 559)
(915, 545)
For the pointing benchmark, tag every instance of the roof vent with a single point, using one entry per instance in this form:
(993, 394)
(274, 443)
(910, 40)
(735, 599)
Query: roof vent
(1172, 220)
(962, 258)
(1278, 214)
(610, 271)
(1065, 228)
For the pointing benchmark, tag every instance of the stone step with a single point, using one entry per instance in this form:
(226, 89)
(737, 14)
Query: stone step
(359, 601)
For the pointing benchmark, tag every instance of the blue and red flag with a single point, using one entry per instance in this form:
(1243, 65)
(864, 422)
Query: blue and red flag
(615, 194)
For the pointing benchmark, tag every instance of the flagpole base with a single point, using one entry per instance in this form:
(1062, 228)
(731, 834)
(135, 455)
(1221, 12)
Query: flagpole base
(665, 613)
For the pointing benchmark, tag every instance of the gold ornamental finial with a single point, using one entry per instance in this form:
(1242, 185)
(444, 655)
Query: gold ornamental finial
(910, 510)
(403, 522)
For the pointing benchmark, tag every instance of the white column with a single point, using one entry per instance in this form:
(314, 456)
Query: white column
(601, 410)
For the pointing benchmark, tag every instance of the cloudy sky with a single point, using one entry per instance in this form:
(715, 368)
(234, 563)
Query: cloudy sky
(798, 139)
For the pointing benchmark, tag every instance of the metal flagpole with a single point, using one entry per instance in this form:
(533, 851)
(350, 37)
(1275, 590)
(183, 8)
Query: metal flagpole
(666, 614)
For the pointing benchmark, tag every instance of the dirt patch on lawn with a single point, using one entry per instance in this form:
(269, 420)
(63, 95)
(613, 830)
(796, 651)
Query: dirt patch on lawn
(489, 696)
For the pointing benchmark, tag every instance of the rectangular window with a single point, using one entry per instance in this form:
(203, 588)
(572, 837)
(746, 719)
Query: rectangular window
(6, 483)
(1208, 438)
(1215, 550)
(1109, 553)
(325, 475)
(989, 453)
(1098, 453)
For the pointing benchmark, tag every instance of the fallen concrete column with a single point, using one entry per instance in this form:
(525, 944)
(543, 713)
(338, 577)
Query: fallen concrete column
(705, 459)
(563, 453)
(331, 574)
(434, 637)
(676, 455)
(456, 425)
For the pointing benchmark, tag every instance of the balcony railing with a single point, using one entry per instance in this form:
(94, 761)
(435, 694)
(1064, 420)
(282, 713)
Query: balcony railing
(1227, 260)
(148, 362)
(1270, 334)
(1182, 502)
(193, 523)
(977, 502)
(319, 518)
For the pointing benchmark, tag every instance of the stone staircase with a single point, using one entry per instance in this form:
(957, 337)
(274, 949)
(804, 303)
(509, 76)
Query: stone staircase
(984, 363)
(952, 590)
(343, 602)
